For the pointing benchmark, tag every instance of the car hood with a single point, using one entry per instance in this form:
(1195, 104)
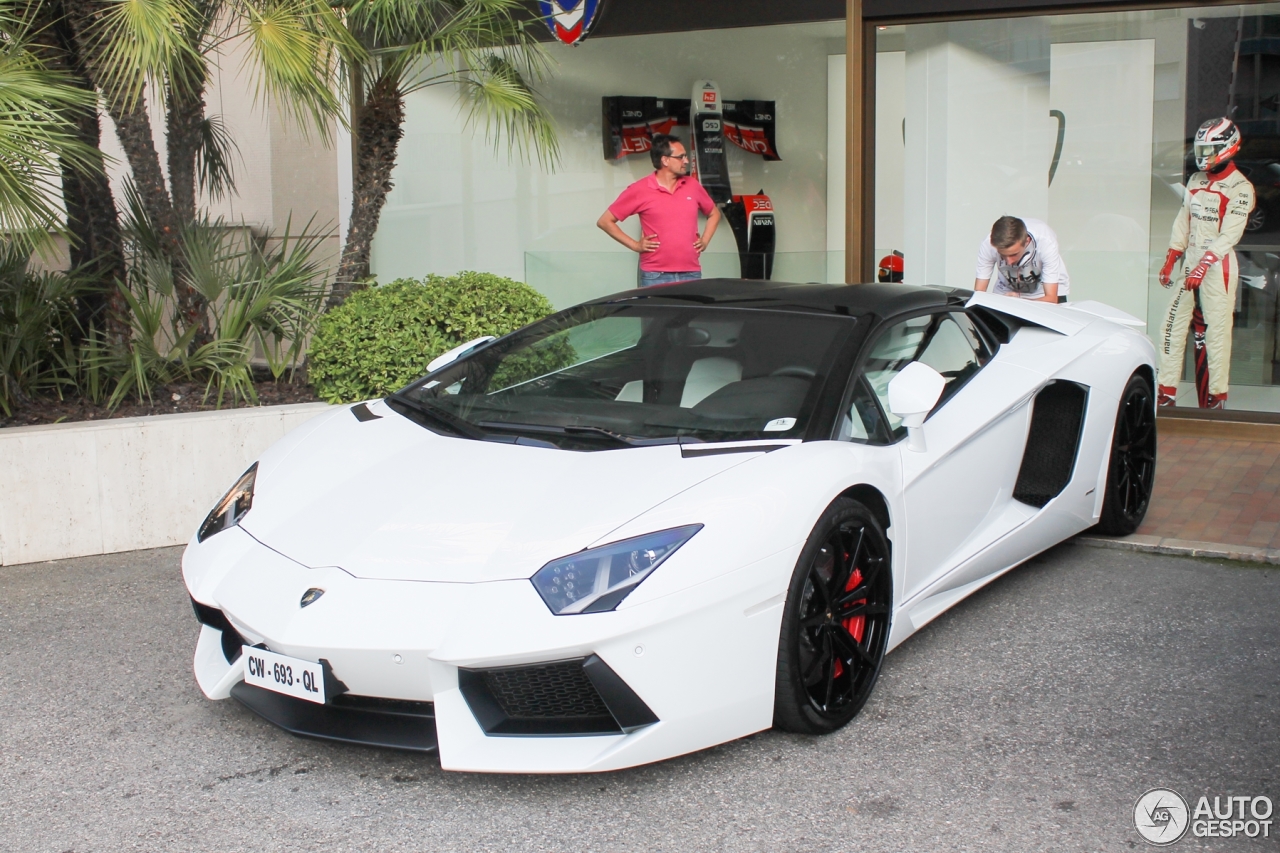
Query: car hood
(389, 499)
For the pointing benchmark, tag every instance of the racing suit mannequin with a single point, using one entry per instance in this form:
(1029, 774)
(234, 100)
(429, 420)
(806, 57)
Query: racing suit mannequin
(1214, 212)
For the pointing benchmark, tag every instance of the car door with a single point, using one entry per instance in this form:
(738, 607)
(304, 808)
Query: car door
(957, 492)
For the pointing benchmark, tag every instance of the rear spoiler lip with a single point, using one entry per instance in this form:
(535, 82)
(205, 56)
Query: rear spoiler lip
(1107, 312)
(1064, 319)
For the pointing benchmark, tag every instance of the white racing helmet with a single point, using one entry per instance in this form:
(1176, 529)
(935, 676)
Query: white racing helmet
(1216, 142)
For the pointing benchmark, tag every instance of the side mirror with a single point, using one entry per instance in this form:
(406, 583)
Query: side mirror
(455, 353)
(912, 395)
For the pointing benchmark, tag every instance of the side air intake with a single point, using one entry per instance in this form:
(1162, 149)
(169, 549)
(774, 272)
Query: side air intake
(1057, 419)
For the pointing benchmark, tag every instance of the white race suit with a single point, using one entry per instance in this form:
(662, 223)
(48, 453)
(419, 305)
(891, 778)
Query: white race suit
(1214, 213)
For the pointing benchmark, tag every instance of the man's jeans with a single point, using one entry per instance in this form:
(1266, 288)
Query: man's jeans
(648, 279)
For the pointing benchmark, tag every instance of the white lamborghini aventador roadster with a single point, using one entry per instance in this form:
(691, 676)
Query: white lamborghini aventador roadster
(663, 519)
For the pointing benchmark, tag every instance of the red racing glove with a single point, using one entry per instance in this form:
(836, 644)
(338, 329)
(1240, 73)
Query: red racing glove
(1166, 271)
(1196, 276)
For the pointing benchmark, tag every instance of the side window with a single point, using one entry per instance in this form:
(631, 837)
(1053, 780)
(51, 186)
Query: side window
(862, 421)
(947, 342)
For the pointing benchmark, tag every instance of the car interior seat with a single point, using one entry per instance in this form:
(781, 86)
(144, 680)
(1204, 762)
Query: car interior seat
(706, 376)
(632, 392)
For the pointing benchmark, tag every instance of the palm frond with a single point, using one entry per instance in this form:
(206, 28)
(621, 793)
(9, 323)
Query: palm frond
(295, 47)
(137, 223)
(482, 46)
(141, 40)
(37, 321)
(215, 172)
(37, 136)
(502, 102)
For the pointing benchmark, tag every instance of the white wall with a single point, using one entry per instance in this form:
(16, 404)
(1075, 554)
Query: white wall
(459, 205)
(891, 113)
(978, 141)
(1100, 199)
(837, 112)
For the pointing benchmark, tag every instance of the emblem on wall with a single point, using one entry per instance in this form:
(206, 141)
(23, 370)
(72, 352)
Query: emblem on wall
(569, 20)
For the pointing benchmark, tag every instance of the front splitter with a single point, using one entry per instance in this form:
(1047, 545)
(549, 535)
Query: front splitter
(386, 723)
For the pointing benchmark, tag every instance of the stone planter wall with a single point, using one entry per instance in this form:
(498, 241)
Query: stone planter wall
(97, 487)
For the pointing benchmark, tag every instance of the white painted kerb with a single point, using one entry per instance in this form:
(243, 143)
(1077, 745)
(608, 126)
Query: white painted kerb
(99, 487)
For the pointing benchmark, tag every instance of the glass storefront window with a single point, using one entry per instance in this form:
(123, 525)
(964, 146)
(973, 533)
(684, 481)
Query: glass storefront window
(458, 203)
(1085, 122)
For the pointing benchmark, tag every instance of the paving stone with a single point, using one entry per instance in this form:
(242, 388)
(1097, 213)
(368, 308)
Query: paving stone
(1216, 491)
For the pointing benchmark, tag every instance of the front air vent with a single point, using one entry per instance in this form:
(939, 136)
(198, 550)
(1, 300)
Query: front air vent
(1057, 420)
(554, 690)
(215, 618)
(582, 696)
(362, 413)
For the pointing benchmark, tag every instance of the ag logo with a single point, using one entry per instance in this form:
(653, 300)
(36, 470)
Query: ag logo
(1161, 816)
(569, 20)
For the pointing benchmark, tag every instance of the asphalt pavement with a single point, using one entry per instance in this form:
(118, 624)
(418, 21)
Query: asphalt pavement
(1030, 717)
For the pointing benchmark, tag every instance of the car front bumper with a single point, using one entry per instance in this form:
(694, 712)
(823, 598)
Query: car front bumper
(695, 669)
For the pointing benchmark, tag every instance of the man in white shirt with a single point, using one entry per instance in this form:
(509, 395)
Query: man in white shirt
(1023, 257)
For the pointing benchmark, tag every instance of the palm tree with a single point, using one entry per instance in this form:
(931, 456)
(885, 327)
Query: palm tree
(124, 47)
(95, 243)
(483, 47)
(305, 51)
(37, 136)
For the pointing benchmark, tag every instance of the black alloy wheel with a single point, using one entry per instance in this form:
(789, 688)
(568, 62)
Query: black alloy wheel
(835, 624)
(1131, 474)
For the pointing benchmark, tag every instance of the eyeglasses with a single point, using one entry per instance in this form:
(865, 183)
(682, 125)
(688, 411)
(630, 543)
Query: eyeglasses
(677, 156)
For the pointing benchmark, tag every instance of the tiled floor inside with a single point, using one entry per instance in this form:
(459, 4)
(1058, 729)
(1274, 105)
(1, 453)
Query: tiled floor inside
(1216, 490)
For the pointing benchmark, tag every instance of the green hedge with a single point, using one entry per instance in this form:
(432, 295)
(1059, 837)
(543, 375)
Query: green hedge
(382, 338)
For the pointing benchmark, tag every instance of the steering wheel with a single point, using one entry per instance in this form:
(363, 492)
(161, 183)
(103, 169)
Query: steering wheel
(797, 371)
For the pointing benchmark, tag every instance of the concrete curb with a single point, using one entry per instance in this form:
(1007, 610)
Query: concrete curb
(1182, 548)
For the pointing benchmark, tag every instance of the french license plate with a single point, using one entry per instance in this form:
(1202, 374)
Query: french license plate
(292, 677)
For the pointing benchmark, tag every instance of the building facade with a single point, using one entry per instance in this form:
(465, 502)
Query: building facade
(875, 126)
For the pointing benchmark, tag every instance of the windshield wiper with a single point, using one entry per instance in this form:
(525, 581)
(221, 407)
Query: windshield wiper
(448, 420)
(576, 430)
(633, 440)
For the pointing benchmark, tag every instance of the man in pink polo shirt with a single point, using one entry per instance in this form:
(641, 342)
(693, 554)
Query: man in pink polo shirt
(668, 202)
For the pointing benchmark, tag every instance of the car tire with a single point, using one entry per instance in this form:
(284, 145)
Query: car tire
(835, 623)
(1131, 470)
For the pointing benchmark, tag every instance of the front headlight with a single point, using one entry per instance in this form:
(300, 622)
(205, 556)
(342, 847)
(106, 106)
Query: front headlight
(597, 580)
(232, 507)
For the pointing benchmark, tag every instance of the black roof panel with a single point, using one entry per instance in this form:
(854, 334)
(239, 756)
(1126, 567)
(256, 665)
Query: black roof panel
(885, 300)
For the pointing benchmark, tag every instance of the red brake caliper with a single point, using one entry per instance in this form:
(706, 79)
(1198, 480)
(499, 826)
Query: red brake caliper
(855, 625)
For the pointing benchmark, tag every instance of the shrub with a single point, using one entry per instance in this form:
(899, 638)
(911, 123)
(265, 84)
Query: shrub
(37, 327)
(382, 338)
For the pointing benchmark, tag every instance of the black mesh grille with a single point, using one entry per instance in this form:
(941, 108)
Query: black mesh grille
(1053, 441)
(565, 697)
(550, 690)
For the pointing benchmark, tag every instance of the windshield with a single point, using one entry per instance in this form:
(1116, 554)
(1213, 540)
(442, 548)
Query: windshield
(604, 376)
